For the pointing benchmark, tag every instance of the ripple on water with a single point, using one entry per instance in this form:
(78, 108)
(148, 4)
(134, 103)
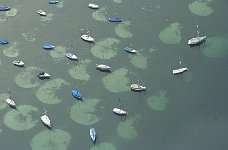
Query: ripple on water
(12, 12)
(84, 113)
(122, 30)
(100, 14)
(47, 92)
(51, 139)
(117, 81)
(79, 72)
(27, 78)
(11, 51)
(139, 61)
(105, 49)
(158, 102)
(21, 118)
(126, 129)
(201, 7)
(58, 52)
(103, 146)
(171, 34)
(3, 97)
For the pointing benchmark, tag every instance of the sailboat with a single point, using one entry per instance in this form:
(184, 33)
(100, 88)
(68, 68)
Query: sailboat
(103, 67)
(179, 70)
(119, 111)
(93, 134)
(137, 86)
(45, 119)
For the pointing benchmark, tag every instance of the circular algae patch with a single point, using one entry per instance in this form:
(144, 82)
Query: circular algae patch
(100, 15)
(104, 146)
(84, 113)
(215, 47)
(106, 48)
(11, 51)
(158, 102)
(171, 34)
(58, 52)
(139, 61)
(79, 72)
(27, 78)
(29, 36)
(21, 118)
(126, 129)
(12, 12)
(201, 7)
(51, 139)
(3, 97)
(46, 93)
(117, 81)
(122, 30)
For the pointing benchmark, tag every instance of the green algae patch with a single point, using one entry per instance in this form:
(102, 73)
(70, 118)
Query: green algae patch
(58, 52)
(79, 72)
(27, 78)
(12, 12)
(46, 18)
(84, 113)
(201, 7)
(152, 49)
(103, 146)
(105, 49)
(11, 51)
(171, 34)
(47, 92)
(56, 139)
(139, 61)
(158, 102)
(126, 129)
(117, 81)
(29, 36)
(3, 97)
(100, 15)
(21, 118)
(216, 47)
(117, 1)
(122, 30)
(60, 4)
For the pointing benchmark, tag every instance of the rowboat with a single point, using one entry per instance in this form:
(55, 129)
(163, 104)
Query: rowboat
(92, 133)
(41, 12)
(119, 111)
(130, 50)
(103, 67)
(87, 38)
(10, 102)
(43, 75)
(18, 63)
(71, 56)
(4, 42)
(48, 46)
(53, 1)
(45, 119)
(4, 8)
(93, 6)
(137, 87)
(76, 94)
(115, 19)
(179, 71)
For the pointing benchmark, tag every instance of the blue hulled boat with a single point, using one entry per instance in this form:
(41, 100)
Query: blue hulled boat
(4, 42)
(115, 19)
(76, 94)
(4, 8)
(92, 133)
(53, 1)
(48, 46)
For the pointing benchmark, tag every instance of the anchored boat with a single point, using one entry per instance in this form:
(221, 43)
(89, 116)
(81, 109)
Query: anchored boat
(41, 13)
(71, 56)
(103, 67)
(43, 75)
(53, 1)
(87, 38)
(4, 8)
(4, 42)
(179, 71)
(93, 6)
(48, 46)
(10, 102)
(18, 63)
(76, 94)
(130, 50)
(92, 133)
(119, 111)
(115, 19)
(137, 87)
(45, 119)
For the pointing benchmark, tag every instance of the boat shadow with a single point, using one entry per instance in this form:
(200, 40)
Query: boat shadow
(106, 71)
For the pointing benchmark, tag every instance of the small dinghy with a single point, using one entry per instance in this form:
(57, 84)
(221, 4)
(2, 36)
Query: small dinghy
(92, 133)
(4, 8)
(119, 111)
(103, 67)
(4, 42)
(137, 87)
(76, 94)
(18, 63)
(130, 50)
(43, 75)
(115, 19)
(179, 71)
(93, 6)
(48, 46)
(53, 1)
(45, 119)
(10, 102)
(41, 13)
(87, 38)
(71, 56)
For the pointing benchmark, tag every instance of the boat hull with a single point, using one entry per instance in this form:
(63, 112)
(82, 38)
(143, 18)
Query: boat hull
(119, 112)
(48, 46)
(179, 71)
(11, 103)
(137, 87)
(92, 133)
(115, 19)
(45, 120)
(76, 94)
(4, 42)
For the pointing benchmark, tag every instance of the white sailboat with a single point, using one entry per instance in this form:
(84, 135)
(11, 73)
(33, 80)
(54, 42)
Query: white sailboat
(10, 102)
(103, 67)
(45, 119)
(137, 87)
(119, 111)
(93, 6)
(18, 63)
(87, 38)
(41, 13)
(180, 70)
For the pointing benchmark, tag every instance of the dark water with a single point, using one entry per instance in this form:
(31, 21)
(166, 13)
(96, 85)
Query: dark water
(191, 115)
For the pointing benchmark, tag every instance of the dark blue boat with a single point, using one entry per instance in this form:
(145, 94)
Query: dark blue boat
(4, 42)
(115, 19)
(53, 1)
(4, 8)
(48, 46)
(76, 94)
